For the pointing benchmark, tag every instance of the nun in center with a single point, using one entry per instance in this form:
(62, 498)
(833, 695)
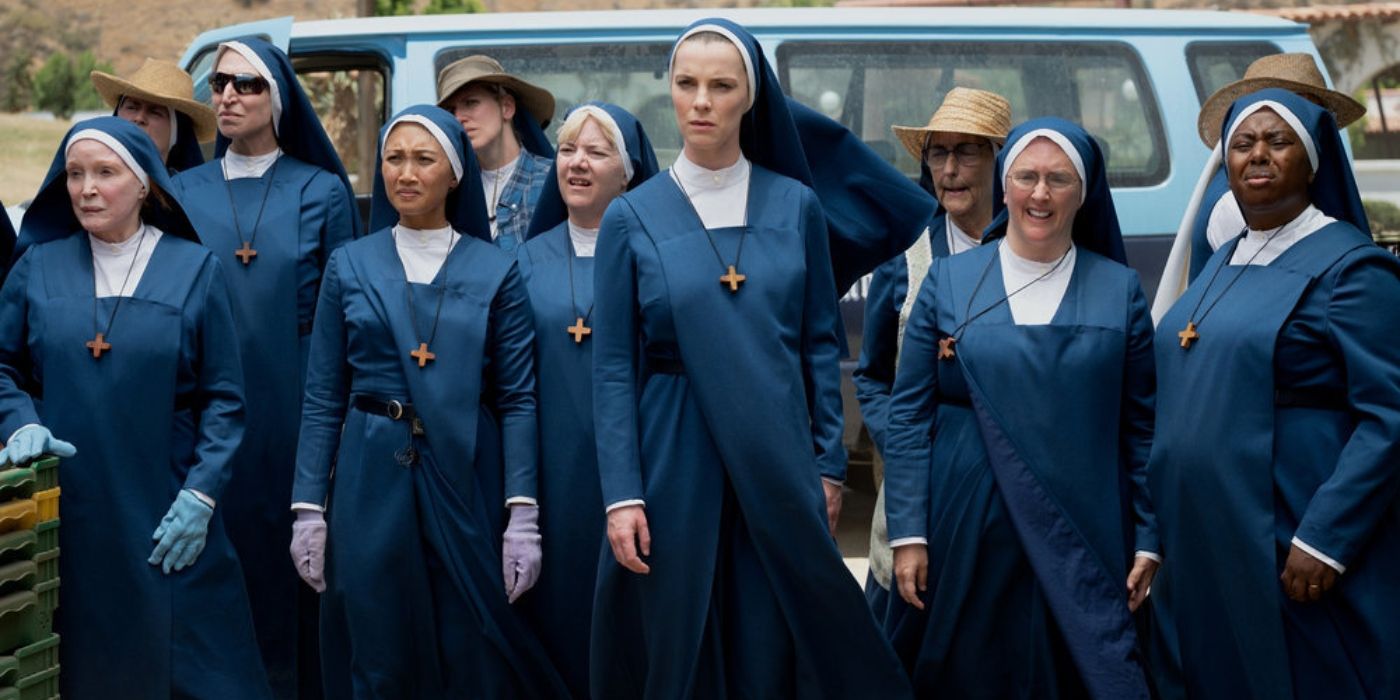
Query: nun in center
(1019, 431)
(415, 488)
(718, 411)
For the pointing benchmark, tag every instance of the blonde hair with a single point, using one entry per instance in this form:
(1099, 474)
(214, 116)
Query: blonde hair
(570, 129)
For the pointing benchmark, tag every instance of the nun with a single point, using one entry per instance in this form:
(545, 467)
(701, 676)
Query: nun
(603, 151)
(272, 206)
(159, 98)
(1019, 431)
(1276, 465)
(123, 320)
(718, 411)
(418, 434)
(1213, 215)
(7, 241)
(957, 159)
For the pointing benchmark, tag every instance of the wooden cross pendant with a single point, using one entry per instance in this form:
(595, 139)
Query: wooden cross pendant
(98, 346)
(422, 355)
(733, 279)
(1189, 335)
(945, 348)
(578, 330)
(246, 253)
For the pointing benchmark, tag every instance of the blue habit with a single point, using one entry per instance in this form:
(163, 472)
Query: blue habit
(7, 241)
(1238, 472)
(416, 605)
(307, 215)
(874, 374)
(722, 411)
(571, 515)
(1022, 460)
(160, 411)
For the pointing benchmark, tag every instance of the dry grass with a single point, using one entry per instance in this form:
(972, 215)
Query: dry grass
(26, 149)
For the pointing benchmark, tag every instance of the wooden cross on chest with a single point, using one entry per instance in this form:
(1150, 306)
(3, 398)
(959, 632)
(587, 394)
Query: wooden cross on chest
(578, 330)
(246, 253)
(98, 346)
(945, 348)
(422, 355)
(733, 279)
(1188, 335)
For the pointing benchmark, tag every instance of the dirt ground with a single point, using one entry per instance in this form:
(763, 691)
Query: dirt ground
(26, 148)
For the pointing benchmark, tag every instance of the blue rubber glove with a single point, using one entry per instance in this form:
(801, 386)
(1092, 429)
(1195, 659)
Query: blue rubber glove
(34, 440)
(180, 536)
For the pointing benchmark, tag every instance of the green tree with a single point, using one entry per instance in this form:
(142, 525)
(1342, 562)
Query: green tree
(62, 86)
(17, 81)
(389, 8)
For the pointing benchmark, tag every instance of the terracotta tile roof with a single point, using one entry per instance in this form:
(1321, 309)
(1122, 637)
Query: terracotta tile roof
(1377, 11)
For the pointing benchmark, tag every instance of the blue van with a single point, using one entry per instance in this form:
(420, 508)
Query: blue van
(1134, 78)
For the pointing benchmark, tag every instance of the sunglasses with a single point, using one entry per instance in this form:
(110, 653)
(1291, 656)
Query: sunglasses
(243, 83)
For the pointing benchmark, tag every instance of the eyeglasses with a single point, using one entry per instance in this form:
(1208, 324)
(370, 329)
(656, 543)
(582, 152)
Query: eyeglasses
(967, 153)
(243, 83)
(1055, 180)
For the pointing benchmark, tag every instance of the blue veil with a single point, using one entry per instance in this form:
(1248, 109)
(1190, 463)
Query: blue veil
(1333, 189)
(873, 211)
(466, 204)
(550, 211)
(50, 217)
(299, 130)
(1096, 223)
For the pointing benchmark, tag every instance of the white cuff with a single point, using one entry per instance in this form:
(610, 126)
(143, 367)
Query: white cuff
(624, 504)
(1150, 555)
(302, 505)
(1319, 555)
(203, 498)
(833, 482)
(521, 501)
(908, 540)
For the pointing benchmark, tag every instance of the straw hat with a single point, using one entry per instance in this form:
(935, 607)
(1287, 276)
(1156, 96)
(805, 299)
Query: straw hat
(1295, 72)
(484, 69)
(964, 111)
(162, 83)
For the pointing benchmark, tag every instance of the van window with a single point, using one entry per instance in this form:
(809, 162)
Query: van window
(632, 76)
(1215, 64)
(347, 92)
(869, 86)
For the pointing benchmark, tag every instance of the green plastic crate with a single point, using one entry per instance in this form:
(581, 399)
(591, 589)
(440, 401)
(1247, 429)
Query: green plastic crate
(47, 564)
(40, 686)
(18, 576)
(45, 473)
(18, 546)
(17, 483)
(9, 671)
(37, 657)
(19, 620)
(48, 603)
(46, 534)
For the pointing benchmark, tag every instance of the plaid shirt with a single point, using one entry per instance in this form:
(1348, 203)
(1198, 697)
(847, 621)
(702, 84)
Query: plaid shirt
(519, 195)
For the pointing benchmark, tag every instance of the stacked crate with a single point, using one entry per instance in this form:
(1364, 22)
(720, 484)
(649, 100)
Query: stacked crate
(29, 581)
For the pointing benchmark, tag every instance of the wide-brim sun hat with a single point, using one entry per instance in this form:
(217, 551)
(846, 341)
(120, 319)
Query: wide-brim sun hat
(1295, 72)
(484, 69)
(163, 83)
(964, 111)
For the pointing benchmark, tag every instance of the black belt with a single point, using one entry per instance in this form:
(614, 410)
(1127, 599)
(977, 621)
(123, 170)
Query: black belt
(1325, 398)
(392, 409)
(665, 365)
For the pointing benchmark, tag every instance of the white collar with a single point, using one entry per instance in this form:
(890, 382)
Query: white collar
(697, 177)
(584, 240)
(422, 238)
(236, 165)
